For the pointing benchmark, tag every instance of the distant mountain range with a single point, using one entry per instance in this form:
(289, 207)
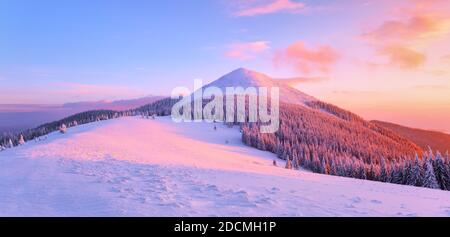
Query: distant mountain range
(17, 117)
(118, 105)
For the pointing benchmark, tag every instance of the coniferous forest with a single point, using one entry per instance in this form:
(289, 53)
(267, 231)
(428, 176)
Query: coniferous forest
(343, 144)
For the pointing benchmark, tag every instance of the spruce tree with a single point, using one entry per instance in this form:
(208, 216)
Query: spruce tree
(415, 173)
(397, 174)
(429, 179)
(441, 172)
(384, 173)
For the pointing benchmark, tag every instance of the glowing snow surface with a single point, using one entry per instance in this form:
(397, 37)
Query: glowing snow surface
(139, 167)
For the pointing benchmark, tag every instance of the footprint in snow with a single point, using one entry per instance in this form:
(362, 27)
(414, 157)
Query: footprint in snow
(212, 188)
(376, 201)
(356, 199)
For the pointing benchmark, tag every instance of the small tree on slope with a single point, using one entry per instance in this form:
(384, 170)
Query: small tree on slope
(288, 164)
(63, 128)
(21, 140)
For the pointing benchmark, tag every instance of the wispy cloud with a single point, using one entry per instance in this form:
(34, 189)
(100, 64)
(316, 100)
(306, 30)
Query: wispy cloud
(307, 60)
(431, 87)
(404, 38)
(419, 27)
(247, 8)
(246, 50)
(295, 81)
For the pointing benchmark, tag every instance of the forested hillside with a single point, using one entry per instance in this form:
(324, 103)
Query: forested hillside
(424, 138)
(340, 143)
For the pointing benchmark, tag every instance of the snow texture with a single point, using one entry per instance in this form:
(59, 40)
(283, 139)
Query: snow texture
(140, 167)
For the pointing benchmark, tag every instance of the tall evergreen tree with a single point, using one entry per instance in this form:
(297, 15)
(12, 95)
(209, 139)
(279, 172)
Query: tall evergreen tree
(415, 177)
(441, 172)
(384, 172)
(429, 179)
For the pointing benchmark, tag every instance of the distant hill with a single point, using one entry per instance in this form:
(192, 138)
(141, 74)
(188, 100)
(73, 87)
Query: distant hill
(424, 138)
(118, 105)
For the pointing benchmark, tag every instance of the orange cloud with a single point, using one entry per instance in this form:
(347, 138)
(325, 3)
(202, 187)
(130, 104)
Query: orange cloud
(446, 58)
(402, 56)
(246, 51)
(404, 38)
(307, 60)
(262, 7)
(418, 27)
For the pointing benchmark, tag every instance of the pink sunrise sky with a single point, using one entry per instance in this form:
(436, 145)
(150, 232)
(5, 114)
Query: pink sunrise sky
(385, 60)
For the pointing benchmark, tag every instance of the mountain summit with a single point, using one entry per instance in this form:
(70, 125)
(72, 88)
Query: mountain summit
(243, 77)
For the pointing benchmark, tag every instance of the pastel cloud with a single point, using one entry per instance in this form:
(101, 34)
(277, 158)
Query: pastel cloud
(402, 56)
(416, 28)
(261, 7)
(307, 60)
(405, 38)
(446, 58)
(246, 50)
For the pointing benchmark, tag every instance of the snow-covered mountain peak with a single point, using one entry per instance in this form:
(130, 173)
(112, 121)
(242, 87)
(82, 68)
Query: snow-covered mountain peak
(243, 77)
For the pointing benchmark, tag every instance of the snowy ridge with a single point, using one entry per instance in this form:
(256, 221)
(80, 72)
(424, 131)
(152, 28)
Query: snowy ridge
(139, 167)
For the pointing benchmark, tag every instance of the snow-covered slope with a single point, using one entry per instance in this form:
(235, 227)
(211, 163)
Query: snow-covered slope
(246, 78)
(139, 167)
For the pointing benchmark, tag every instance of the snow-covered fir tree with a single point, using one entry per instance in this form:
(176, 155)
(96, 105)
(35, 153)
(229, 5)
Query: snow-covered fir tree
(429, 179)
(415, 173)
(384, 172)
(441, 172)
